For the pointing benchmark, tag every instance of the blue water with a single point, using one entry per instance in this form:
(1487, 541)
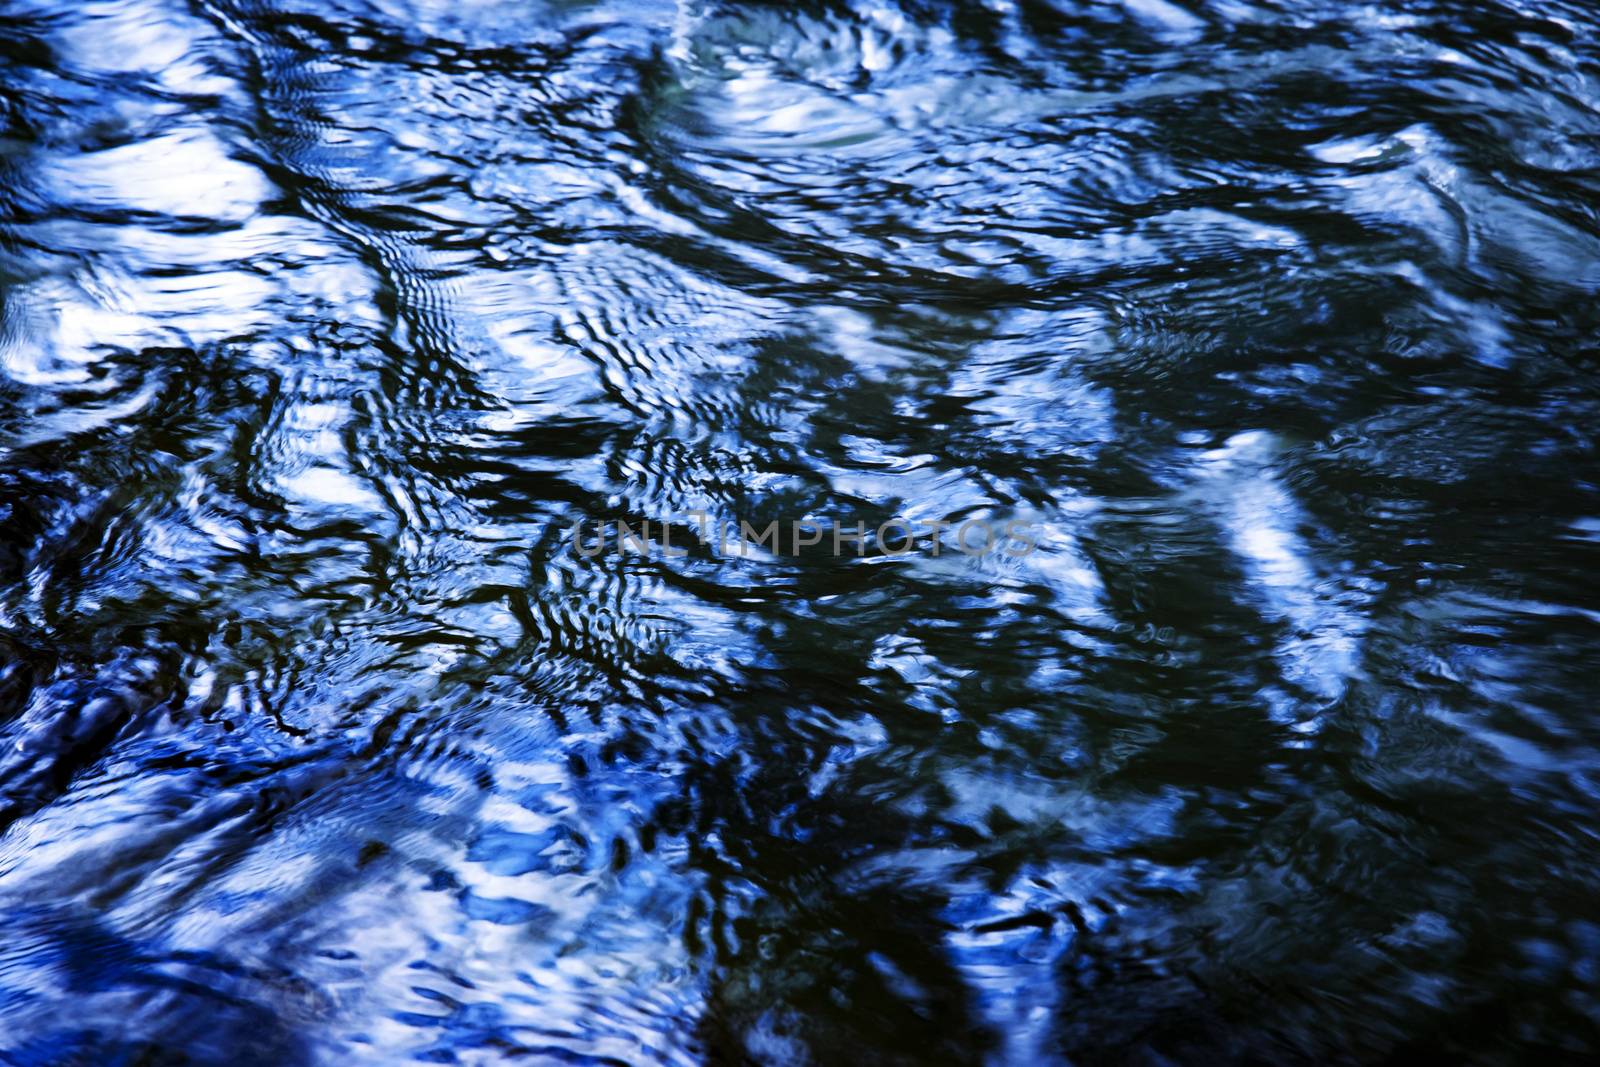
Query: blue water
(324, 323)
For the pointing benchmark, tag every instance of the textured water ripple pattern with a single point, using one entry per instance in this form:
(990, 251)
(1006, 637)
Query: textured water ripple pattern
(322, 322)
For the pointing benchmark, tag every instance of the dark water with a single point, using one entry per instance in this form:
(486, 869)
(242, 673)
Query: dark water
(324, 321)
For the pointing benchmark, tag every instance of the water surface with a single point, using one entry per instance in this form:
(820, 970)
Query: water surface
(323, 321)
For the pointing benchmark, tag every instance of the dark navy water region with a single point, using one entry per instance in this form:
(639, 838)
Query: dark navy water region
(333, 334)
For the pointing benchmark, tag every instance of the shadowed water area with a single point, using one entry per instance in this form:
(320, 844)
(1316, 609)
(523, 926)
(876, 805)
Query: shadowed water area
(322, 323)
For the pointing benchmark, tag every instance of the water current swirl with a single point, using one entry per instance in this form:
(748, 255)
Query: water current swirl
(345, 345)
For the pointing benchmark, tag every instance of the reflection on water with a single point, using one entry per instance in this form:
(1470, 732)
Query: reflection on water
(322, 320)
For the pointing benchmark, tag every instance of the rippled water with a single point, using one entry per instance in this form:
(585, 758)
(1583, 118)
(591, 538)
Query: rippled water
(323, 321)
